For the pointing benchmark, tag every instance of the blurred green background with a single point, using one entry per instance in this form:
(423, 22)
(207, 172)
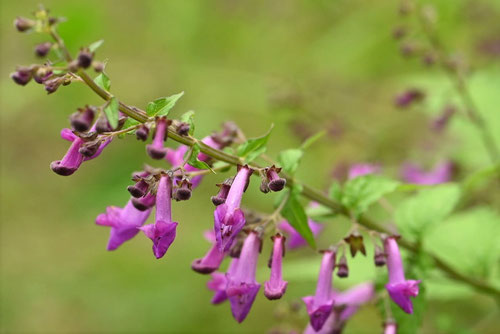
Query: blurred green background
(304, 65)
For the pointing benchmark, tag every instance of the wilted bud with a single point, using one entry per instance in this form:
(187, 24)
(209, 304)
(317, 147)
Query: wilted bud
(144, 203)
(183, 190)
(429, 59)
(41, 50)
(220, 198)
(379, 257)
(264, 186)
(275, 182)
(90, 148)
(85, 58)
(42, 74)
(142, 133)
(183, 129)
(140, 188)
(23, 24)
(409, 97)
(98, 66)
(22, 76)
(82, 119)
(342, 268)
(102, 124)
(408, 49)
(53, 84)
(355, 241)
(73, 66)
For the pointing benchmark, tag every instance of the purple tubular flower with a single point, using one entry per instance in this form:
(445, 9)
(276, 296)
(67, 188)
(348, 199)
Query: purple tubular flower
(228, 217)
(156, 150)
(276, 286)
(362, 169)
(218, 283)
(144, 203)
(124, 223)
(294, 239)
(163, 231)
(212, 260)
(440, 174)
(320, 305)
(242, 288)
(275, 182)
(400, 290)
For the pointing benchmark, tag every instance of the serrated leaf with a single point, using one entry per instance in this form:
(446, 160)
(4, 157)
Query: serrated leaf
(103, 81)
(188, 117)
(311, 140)
(296, 216)
(94, 46)
(162, 105)
(111, 112)
(359, 193)
(253, 147)
(426, 209)
(289, 159)
(193, 158)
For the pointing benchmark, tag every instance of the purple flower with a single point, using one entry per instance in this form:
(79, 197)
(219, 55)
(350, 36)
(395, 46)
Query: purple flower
(156, 150)
(162, 232)
(22, 76)
(73, 159)
(390, 328)
(400, 289)
(362, 169)
(440, 174)
(274, 181)
(218, 283)
(228, 217)
(276, 286)
(294, 239)
(124, 223)
(212, 260)
(408, 97)
(242, 288)
(320, 305)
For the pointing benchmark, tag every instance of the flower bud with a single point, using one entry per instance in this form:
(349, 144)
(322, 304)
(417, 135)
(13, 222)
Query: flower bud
(41, 50)
(82, 119)
(342, 268)
(90, 148)
(98, 66)
(102, 124)
(22, 76)
(409, 97)
(142, 133)
(379, 257)
(51, 85)
(85, 58)
(183, 129)
(183, 190)
(139, 189)
(42, 74)
(429, 59)
(264, 186)
(220, 198)
(275, 182)
(399, 32)
(23, 24)
(144, 203)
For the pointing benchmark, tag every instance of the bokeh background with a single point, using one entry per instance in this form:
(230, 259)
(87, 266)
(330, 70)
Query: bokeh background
(304, 66)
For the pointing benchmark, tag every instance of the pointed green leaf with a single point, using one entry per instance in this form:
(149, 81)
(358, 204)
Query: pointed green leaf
(162, 105)
(111, 112)
(103, 81)
(94, 46)
(295, 214)
(289, 159)
(311, 140)
(254, 147)
(193, 158)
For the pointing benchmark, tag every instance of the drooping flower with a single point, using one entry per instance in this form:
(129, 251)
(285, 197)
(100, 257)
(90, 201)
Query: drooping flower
(163, 231)
(362, 169)
(440, 174)
(294, 239)
(228, 217)
(156, 150)
(320, 305)
(218, 283)
(212, 260)
(400, 290)
(276, 286)
(124, 223)
(274, 181)
(221, 196)
(73, 159)
(242, 287)
(140, 188)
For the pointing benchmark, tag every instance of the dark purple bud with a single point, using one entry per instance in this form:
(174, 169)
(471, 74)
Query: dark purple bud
(264, 186)
(183, 190)
(440, 122)
(42, 74)
(183, 129)
(102, 124)
(23, 24)
(53, 84)
(73, 66)
(41, 50)
(85, 58)
(224, 187)
(379, 257)
(227, 135)
(275, 183)
(409, 97)
(139, 189)
(429, 59)
(399, 32)
(342, 268)
(53, 20)
(98, 66)
(82, 119)
(144, 203)
(22, 76)
(142, 133)
(408, 49)
(156, 149)
(90, 148)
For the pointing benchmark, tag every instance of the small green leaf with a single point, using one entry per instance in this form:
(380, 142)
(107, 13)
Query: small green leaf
(103, 81)
(289, 159)
(188, 117)
(130, 122)
(111, 112)
(162, 105)
(295, 214)
(335, 191)
(311, 140)
(359, 193)
(193, 158)
(481, 176)
(94, 46)
(254, 147)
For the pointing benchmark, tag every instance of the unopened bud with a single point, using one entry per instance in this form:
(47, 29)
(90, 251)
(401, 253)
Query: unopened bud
(144, 203)
(98, 66)
(102, 124)
(42, 74)
(90, 148)
(53, 84)
(183, 190)
(41, 50)
(142, 133)
(22, 76)
(399, 32)
(264, 186)
(220, 198)
(409, 97)
(85, 58)
(379, 257)
(23, 24)
(342, 268)
(183, 129)
(82, 119)
(275, 183)
(139, 189)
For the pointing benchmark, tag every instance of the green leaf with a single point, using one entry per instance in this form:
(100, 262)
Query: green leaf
(188, 117)
(193, 158)
(130, 122)
(359, 193)
(481, 176)
(311, 140)
(429, 207)
(94, 46)
(295, 214)
(162, 105)
(335, 191)
(289, 159)
(111, 112)
(102, 80)
(253, 147)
